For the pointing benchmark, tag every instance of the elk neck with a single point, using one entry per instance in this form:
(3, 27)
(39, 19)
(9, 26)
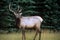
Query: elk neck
(17, 21)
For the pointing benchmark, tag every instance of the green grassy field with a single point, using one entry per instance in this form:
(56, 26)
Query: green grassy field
(30, 36)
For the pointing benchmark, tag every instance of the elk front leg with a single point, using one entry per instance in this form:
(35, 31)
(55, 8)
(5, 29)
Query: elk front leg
(35, 35)
(23, 34)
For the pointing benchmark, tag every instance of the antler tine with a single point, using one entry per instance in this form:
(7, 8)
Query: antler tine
(10, 8)
(18, 7)
(20, 10)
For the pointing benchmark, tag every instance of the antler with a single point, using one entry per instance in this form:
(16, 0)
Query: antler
(20, 9)
(10, 8)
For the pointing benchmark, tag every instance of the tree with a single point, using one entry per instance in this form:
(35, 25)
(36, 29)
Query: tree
(47, 9)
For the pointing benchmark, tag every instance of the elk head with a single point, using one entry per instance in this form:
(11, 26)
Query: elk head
(17, 12)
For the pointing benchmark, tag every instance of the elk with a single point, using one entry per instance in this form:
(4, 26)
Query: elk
(24, 22)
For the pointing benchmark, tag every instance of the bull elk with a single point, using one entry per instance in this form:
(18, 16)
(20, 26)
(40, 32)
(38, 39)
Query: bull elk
(27, 22)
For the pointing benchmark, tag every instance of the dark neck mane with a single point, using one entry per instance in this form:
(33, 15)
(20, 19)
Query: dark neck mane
(17, 22)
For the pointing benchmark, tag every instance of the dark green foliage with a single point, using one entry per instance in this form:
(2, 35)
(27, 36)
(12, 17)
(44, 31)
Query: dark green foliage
(49, 10)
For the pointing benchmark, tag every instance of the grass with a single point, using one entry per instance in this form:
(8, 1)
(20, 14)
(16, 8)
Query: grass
(30, 36)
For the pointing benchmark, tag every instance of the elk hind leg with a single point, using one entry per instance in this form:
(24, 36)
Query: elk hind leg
(35, 34)
(40, 34)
